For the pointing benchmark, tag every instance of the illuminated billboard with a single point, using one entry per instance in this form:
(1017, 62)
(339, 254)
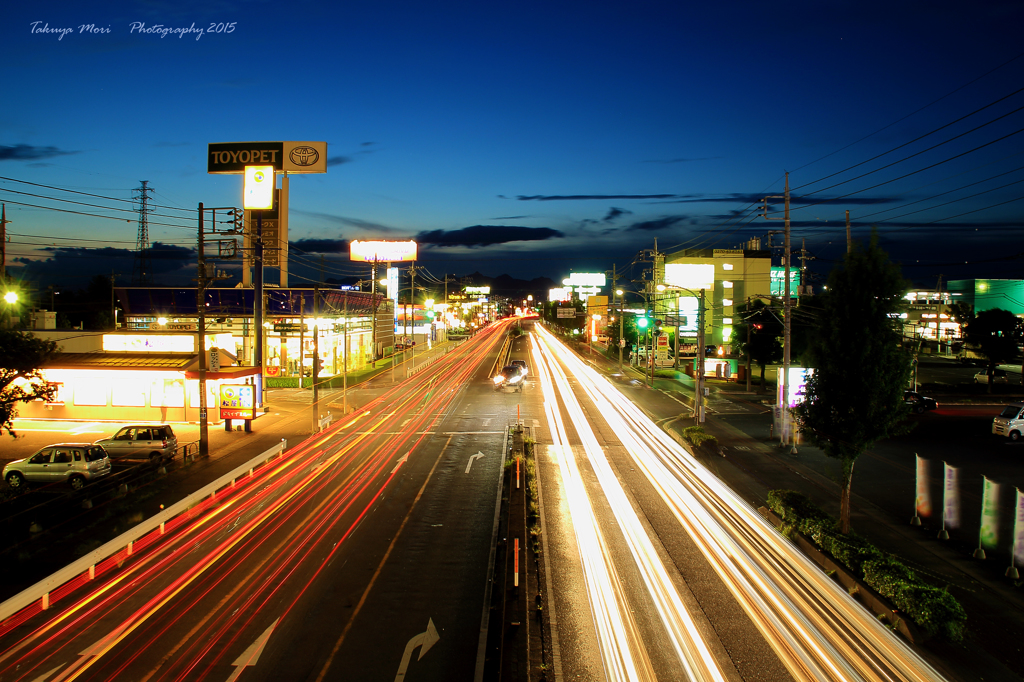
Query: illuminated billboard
(584, 279)
(292, 157)
(237, 401)
(778, 281)
(479, 291)
(381, 251)
(693, 276)
(559, 294)
(258, 191)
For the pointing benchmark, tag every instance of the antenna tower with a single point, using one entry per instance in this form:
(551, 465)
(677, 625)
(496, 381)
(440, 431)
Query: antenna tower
(141, 272)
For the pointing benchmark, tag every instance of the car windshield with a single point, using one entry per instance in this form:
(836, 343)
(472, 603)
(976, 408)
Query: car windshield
(1010, 411)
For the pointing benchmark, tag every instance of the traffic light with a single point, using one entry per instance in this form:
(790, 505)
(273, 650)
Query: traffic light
(657, 327)
(641, 322)
(319, 365)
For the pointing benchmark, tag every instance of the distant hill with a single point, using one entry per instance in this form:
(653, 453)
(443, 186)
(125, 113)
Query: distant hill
(507, 285)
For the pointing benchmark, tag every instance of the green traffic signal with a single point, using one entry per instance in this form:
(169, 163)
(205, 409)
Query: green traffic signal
(641, 322)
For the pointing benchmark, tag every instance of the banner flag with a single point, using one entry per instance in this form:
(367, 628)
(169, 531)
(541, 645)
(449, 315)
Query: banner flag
(989, 536)
(951, 498)
(923, 503)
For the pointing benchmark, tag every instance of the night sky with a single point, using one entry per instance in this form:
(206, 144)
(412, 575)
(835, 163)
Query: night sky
(527, 139)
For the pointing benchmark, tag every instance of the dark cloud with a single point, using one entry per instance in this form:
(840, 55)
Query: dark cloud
(342, 220)
(27, 152)
(741, 198)
(511, 217)
(320, 245)
(486, 235)
(338, 160)
(684, 160)
(588, 197)
(367, 144)
(614, 213)
(657, 225)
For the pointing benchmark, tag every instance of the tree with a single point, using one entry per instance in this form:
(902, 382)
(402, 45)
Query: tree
(765, 331)
(22, 356)
(855, 395)
(996, 334)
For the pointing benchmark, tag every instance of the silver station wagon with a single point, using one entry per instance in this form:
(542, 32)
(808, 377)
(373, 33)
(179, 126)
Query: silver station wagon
(154, 442)
(74, 463)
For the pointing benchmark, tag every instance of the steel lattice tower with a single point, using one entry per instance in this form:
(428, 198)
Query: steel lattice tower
(141, 272)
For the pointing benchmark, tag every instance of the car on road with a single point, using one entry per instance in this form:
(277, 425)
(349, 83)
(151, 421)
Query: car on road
(919, 403)
(1010, 422)
(521, 364)
(154, 442)
(998, 377)
(511, 377)
(74, 463)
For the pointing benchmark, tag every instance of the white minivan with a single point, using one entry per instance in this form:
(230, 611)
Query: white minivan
(1010, 422)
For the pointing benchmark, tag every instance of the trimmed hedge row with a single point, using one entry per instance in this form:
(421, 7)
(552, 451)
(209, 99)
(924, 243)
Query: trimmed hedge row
(697, 436)
(933, 609)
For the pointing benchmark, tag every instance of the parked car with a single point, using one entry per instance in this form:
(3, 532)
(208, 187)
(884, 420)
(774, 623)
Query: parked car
(75, 463)
(998, 377)
(919, 403)
(142, 441)
(1010, 422)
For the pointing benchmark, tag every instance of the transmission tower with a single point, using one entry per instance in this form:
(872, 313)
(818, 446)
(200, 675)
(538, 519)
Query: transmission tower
(141, 272)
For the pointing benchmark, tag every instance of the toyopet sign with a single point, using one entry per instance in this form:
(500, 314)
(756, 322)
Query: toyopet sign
(237, 401)
(290, 157)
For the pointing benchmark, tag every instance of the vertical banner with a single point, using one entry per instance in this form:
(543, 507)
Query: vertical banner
(950, 498)
(923, 503)
(1018, 530)
(989, 534)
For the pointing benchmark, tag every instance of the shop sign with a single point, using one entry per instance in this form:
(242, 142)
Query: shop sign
(237, 401)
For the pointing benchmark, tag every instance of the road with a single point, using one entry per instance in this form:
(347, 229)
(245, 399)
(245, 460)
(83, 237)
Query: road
(362, 554)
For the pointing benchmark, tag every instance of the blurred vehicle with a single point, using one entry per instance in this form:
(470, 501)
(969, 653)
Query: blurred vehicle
(510, 376)
(521, 364)
(1010, 422)
(919, 403)
(137, 441)
(998, 377)
(75, 463)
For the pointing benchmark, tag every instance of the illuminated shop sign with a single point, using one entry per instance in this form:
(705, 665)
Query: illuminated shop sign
(152, 343)
(479, 291)
(293, 157)
(237, 401)
(693, 276)
(778, 280)
(585, 279)
(382, 251)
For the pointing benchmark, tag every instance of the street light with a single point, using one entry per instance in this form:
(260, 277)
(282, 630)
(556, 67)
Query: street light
(619, 292)
(699, 371)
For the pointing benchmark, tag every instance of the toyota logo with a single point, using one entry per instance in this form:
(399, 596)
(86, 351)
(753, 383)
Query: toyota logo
(304, 156)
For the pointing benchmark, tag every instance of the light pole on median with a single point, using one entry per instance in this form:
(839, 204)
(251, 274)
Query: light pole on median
(618, 292)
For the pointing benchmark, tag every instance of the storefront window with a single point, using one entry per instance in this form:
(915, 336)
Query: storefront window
(91, 393)
(128, 393)
(167, 393)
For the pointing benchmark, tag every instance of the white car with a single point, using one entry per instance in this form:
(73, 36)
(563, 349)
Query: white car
(998, 377)
(75, 463)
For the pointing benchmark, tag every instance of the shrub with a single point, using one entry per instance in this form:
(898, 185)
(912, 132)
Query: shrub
(697, 436)
(931, 608)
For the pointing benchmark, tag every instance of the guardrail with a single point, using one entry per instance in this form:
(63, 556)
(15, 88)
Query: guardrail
(325, 421)
(42, 589)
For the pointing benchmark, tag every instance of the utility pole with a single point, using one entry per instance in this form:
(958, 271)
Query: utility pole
(750, 323)
(316, 357)
(787, 315)
(849, 240)
(344, 360)
(699, 383)
(204, 432)
(3, 244)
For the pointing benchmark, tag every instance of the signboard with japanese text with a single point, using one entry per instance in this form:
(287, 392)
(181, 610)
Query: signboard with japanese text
(237, 401)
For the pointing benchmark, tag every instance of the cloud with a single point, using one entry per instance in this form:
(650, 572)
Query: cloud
(338, 160)
(342, 220)
(684, 160)
(658, 224)
(742, 198)
(27, 152)
(320, 245)
(614, 213)
(511, 217)
(486, 235)
(589, 197)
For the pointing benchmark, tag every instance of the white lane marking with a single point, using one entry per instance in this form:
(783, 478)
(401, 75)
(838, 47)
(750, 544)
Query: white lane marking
(405, 458)
(424, 641)
(472, 458)
(251, 655)
(44, 676)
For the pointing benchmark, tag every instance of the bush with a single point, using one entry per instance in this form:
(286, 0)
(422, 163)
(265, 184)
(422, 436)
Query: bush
(697, 436)
(933, 609)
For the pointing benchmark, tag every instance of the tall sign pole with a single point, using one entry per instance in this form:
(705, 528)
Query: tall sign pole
(787, 342)
(204, 431)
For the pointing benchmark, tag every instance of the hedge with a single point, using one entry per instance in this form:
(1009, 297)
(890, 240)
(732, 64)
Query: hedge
(697, 436)
(933, 609)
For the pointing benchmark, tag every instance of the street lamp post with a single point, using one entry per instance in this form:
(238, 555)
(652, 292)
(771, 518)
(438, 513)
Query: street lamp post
(618, 292)
(698, 401)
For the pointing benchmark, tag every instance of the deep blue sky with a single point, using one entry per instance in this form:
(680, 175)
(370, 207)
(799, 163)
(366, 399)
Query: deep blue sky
(574, 133)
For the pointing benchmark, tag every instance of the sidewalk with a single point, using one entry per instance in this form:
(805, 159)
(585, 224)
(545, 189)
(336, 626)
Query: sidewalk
(752, 464)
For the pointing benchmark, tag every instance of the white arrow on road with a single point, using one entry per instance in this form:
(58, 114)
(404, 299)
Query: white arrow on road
(405, 458)
(473, 458)
(46, 676)
(89, 653)
(251, 655)
(424, 641)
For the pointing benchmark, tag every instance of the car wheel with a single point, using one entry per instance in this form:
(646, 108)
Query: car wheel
(1014, 435)
(77, 482)
(155, 457)
(919, 408)
(15, 480)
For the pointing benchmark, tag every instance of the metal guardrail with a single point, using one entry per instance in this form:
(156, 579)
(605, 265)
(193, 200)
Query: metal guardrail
(41, 590)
